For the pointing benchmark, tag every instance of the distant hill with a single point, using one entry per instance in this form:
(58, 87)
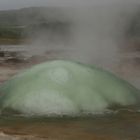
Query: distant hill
(30, 21)
(31, 15)
(22, 22)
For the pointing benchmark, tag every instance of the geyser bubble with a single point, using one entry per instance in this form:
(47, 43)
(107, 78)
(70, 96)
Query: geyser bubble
(59, 75)
(65, 88)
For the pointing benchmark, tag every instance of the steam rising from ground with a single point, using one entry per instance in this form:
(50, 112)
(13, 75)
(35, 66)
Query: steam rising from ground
(95, 35)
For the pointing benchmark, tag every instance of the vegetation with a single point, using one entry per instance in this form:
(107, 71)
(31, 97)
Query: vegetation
(19, 24)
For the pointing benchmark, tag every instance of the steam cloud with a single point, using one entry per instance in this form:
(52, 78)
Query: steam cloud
(97, 33)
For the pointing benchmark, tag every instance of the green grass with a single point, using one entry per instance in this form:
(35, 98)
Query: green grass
(10, 32)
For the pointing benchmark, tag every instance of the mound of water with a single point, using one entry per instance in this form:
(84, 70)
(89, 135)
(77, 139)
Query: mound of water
(65, 88)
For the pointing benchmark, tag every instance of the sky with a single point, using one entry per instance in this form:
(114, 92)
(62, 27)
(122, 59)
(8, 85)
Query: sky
(16, 4)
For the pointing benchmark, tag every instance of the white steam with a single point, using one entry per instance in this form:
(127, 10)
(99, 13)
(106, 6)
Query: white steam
(95, 35)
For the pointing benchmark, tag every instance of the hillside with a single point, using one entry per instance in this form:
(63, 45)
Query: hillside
(27, 21)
